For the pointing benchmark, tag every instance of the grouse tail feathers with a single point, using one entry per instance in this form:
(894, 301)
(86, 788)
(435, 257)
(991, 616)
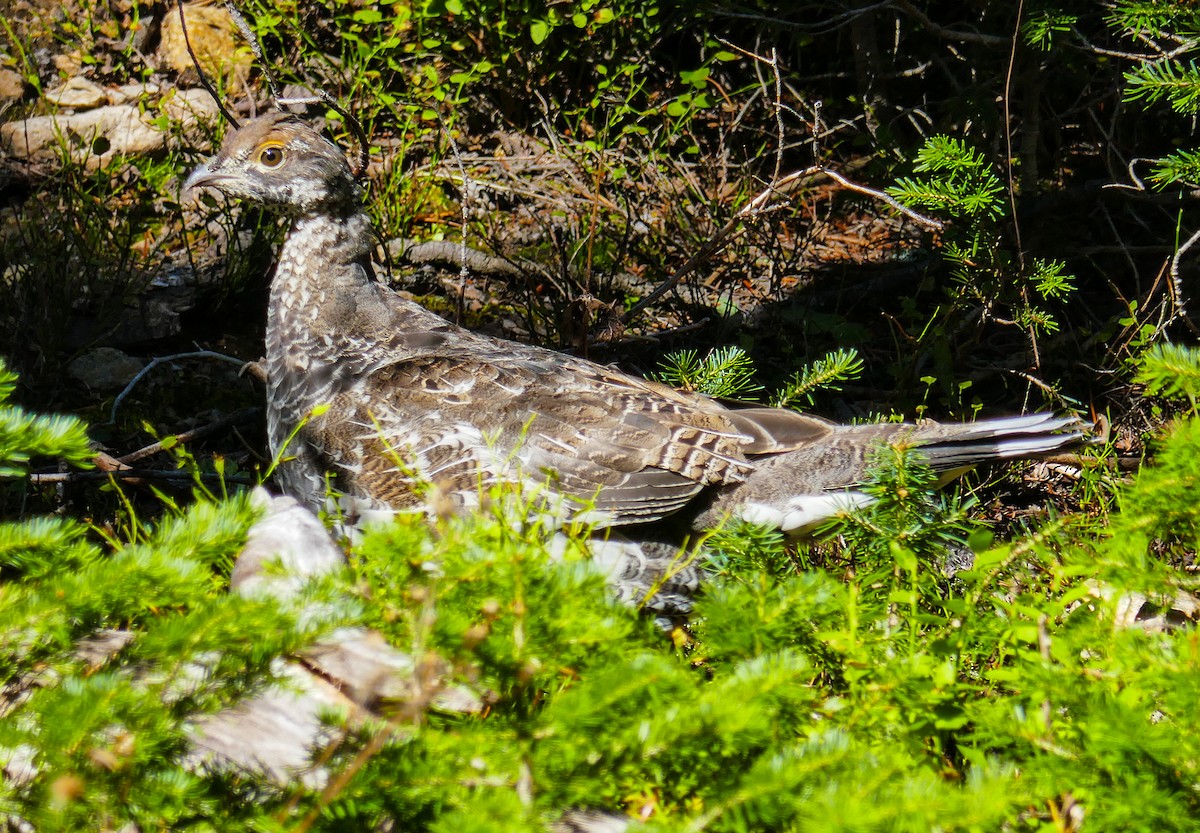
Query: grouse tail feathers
(956, 448)
(798, 490)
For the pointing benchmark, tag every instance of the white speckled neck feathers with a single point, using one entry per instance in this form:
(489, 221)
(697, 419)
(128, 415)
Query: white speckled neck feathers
(329, 326)
(322, 269)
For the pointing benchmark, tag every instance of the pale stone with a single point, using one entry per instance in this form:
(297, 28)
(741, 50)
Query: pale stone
(131, 93)
(12, 86)
(77, 92)
(214, 41)
(93, 137)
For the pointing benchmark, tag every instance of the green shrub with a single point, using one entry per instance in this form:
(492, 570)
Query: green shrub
(874, 692)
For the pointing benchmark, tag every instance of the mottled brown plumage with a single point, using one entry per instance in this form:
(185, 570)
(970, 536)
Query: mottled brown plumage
(413, 400)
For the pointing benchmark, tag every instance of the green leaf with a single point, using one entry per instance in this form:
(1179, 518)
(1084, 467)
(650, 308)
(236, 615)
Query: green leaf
(905, 558)
(539, 30)
(979, 541)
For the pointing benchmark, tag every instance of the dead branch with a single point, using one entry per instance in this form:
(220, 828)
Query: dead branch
(944, 33)
(760, 204)
(138, 476)
(155, 362)
(450, 253)
(236, 418)
(120, 467)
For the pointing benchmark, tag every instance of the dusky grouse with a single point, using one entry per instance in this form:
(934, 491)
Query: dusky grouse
(386, 401)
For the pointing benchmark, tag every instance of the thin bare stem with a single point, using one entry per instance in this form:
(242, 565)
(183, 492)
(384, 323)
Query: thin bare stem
(198, 354)
(237, 417)
(760, 204)
(204, 82)
(255, 46)
(359, 167)
(1012, 190)
(1177, 285)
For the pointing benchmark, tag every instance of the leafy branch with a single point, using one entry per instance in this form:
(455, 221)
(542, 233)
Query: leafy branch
(829, 372)
(24, 436)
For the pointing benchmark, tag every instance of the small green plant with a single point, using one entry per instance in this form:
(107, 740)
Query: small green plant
(1047, 27)
(988, 276)
(911, 526)
(828, 373)
(962, 184)
(1177, 84)
(1172, 371)
(739, 548)
(24, 436)
(39, 546)
(728, 373)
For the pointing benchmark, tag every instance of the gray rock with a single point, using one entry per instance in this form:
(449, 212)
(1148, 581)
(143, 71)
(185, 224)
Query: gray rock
(105, 368)
(93, 137)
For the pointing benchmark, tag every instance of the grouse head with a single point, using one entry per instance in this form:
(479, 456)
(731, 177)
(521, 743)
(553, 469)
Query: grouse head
(281, 163)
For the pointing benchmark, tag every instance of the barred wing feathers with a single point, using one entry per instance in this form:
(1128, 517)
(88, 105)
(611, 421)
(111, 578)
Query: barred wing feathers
(639, 450)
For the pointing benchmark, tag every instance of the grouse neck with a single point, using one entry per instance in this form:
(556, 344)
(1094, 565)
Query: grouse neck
(325, 249)
(318, 282)
(322, 270)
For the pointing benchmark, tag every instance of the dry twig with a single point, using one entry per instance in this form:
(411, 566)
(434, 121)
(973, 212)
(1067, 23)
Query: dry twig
(155, 362)
(760, 204)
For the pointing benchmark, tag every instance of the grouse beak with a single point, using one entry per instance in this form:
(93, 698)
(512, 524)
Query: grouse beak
(203, 177)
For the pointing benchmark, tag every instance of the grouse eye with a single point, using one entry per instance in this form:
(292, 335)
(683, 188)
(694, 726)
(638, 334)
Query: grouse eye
(271, 156)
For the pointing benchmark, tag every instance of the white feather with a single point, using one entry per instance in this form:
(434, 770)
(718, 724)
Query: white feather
(803, 512)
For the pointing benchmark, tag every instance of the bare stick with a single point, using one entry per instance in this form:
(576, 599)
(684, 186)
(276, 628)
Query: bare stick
(1012, 191)
(1008, 78)
(236, 418)
(364, 147)
(816, 132)
(820, 27)
(204, 82)
(138, 476)
(776, 104)
(758, 205)
(463, 271)
(1138, 183)
(1176, 285)
(1158, 55)
(255, 46)
(928, 222)
(947, 34)
(198, 354)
